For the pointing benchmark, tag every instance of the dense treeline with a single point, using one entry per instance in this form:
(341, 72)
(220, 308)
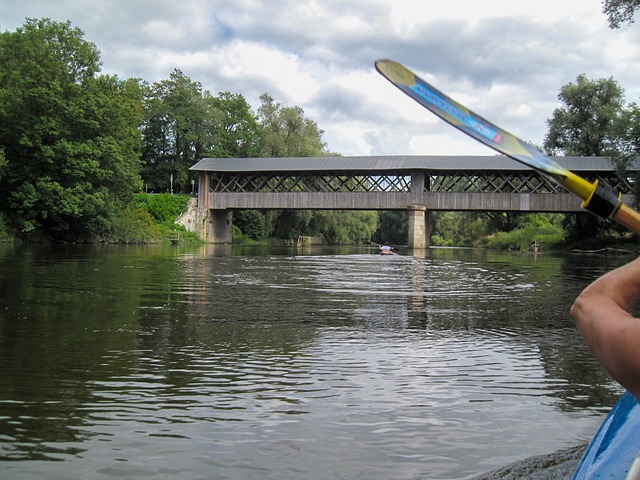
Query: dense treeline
(70, 136)
(77, 145)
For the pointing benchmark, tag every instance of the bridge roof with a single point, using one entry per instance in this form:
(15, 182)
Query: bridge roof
(390, 163)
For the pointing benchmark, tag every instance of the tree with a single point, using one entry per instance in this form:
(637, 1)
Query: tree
(345, 227)
(184, 123)
(177, 128)
(459, 228)
(286, 132)
(587, 124)
(628, 151)
(237, 132)
(620, 11)
(251, 223)
(70, 136)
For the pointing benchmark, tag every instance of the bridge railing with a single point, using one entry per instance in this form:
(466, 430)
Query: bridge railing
(306, 182)
(521, 181)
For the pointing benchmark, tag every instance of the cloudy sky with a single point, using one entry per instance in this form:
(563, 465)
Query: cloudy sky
(504, 59)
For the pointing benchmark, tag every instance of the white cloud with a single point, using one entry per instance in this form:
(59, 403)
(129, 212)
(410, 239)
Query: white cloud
(445, 145)
(506, 60)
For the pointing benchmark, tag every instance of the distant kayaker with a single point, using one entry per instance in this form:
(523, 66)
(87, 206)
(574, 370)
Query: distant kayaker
(601, 313)
(386, 248)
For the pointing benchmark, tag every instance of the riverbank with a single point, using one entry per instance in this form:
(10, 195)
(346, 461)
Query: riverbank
(148, 219)
(152, 219)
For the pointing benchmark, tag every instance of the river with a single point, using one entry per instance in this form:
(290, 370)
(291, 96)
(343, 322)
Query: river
(212, 362)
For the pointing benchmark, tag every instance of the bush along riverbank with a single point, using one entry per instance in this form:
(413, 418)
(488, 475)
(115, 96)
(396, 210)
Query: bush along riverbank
(150, 218)
(534, 233)
(147, 219)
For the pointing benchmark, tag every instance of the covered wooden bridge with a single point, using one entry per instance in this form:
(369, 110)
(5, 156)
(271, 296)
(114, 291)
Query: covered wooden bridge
(417, 184)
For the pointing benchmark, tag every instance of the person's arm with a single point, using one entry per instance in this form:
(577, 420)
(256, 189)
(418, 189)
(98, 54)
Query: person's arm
(601, 313)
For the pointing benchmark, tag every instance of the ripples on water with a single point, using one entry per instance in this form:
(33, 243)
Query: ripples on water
(137, 365)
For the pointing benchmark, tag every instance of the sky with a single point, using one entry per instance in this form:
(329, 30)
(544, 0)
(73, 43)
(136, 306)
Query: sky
(506, 60)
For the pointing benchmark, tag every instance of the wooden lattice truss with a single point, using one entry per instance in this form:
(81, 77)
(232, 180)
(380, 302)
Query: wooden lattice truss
(521, 181)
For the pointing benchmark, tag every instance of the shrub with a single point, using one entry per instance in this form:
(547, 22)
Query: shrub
(537, 228)
(133, 225)
(164, 208)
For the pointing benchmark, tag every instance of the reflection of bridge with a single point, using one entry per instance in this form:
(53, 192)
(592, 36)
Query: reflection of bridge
(418, 184)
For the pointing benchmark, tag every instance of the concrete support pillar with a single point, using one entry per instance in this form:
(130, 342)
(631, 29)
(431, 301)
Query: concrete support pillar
(219, 227)
(418, 227)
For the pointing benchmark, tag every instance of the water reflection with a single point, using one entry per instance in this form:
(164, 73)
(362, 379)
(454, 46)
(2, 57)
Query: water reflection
(151, 361)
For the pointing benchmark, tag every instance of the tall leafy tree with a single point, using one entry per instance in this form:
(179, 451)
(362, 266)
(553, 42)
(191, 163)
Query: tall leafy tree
(184, 123)
(587, 124)
(286, 132)
(620, 11)
(175, 131)
(340, 227)
(70, 135)
(237, 133)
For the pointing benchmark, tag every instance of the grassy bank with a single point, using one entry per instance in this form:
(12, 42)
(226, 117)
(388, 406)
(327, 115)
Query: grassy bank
(537, 231)
(150, 219)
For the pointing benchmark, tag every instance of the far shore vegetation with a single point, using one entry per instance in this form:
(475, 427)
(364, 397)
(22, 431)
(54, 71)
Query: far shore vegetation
(78, 148)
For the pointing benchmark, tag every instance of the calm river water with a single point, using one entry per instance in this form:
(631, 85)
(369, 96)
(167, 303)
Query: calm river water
(212, 363)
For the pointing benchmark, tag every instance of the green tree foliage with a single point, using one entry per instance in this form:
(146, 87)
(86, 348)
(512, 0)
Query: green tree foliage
(70, 136)
(237, 133)
(628, 151)
(345, 227)
(393, 227)
(458, 228)
(337, 227)
(176, 124)
(290, 224)
(184, 123)
(286, 132)
(588, 124)
(3, 163)
(506, 231)
(620, 11)
(540, 229)
(74, 142)
(585, 125)
(252, 223)
(504, 221)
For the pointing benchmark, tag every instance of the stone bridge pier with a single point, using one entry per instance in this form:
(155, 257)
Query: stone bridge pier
(419, 231)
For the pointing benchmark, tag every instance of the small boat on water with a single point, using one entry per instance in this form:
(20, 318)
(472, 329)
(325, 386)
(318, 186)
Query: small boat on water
(614, 451)
(385, 249)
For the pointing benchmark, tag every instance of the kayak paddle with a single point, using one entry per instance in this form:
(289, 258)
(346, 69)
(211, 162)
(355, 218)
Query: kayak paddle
(597, 197)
